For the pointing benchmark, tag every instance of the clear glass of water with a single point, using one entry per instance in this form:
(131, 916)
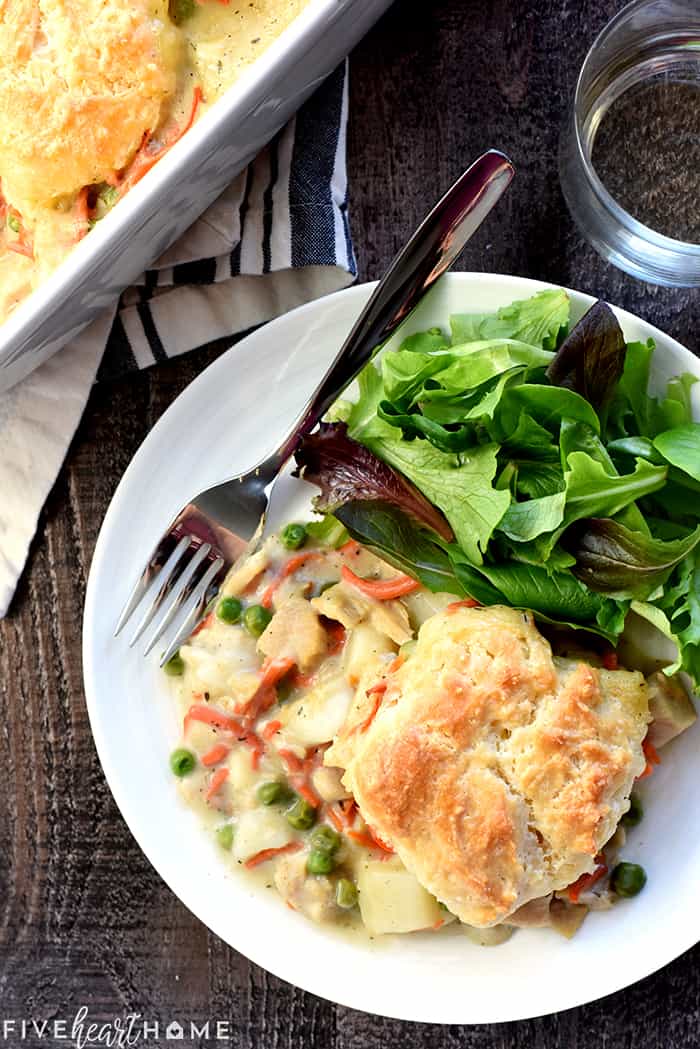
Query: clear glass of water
(630, 151)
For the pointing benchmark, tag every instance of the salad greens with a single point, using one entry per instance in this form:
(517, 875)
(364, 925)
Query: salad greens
(513, 461)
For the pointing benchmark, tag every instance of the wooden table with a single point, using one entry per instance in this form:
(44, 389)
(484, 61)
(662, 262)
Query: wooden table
(84, 919)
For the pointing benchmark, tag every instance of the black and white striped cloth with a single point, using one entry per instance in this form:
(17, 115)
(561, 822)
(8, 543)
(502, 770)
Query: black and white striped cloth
(276, 238)
(284, 218)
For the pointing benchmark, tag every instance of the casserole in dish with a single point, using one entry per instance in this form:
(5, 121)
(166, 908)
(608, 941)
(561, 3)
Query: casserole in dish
(192, 174)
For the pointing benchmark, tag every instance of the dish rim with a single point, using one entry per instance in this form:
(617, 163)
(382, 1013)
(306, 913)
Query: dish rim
(257, 86)
(262, 956)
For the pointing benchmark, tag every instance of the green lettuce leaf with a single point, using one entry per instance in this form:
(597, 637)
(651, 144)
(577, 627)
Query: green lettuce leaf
(537, 320)
(461, 486)
(615, 560)
(681, 448)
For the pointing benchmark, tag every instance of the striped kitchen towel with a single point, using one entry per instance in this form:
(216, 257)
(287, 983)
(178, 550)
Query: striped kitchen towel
(276, 238)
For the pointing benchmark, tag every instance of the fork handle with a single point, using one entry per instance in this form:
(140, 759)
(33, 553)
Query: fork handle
(431, 251)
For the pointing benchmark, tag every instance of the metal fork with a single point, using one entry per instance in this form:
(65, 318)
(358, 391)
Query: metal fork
(218, 526)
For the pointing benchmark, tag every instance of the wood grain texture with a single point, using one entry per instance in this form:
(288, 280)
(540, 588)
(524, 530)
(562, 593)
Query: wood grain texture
(83, 917)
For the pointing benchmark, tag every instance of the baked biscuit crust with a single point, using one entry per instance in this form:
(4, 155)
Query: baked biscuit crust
(496, 771)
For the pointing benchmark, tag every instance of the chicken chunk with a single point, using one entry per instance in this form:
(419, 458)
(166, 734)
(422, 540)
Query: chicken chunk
(294, 632)
(347, 605)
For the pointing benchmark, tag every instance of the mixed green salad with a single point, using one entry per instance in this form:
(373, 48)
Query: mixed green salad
(516, 462)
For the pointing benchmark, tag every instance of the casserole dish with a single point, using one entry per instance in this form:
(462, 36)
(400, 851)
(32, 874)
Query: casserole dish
(183, 183)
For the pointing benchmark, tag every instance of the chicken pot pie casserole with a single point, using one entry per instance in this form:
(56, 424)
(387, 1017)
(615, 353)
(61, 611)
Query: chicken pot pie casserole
(92, 94)
(401, 760)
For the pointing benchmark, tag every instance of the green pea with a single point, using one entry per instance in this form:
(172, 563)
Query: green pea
(182, 761)
(224, 836)
(319, 862)
(634, 814)
(109, 196)
(325, 839)
(256, 619)
(345, 893)
(175, 666)
(13, 223)
(408, 648)
(293, 536)
(181, 10)
(284, 689)
(273, 792)
(628, 879)
(302, 816)
(229, 610)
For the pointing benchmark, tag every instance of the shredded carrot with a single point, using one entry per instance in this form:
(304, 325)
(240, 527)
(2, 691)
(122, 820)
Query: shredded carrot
(216, 783)
(651, 754)
(257, 748)
(370, 840)
(469, 602)
(23, 244)
(270, 729)
(381, 589)
(351, 549)
(262, 699)
(610, 660)
(586, 881)
(395, 664)
(299, 680)
(144, 160)
(273, 670)
(206, 622)
(293, 763)
(199, 712)
(217, 753)
(375, 837)
(335, 818)
(21, 247)
(336, 637)
(304, 791)
(438, 924)
(349, 810)
(268, 854)
(83, 213)
(289, 568)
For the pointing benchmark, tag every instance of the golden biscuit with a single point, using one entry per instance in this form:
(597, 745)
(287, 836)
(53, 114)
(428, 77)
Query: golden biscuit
(81, 83)
(495, 771)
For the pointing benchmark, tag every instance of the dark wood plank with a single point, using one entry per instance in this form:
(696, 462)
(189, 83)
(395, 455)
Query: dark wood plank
(83, 917)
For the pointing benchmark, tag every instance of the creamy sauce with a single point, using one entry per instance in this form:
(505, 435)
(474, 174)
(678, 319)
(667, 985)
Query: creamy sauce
(246, 735)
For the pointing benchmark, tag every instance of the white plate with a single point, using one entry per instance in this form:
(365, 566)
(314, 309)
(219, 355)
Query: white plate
(220, 425)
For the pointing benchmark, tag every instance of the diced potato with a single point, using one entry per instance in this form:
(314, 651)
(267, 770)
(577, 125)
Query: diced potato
(327, 784)
(200, 737)
(423, 604)
(294, 632)
(567, 918)
(244, 572)
(392, 900)
(318, 715)
(532, 915)
(260, 829)
(221, 660)
(364, 648)
(242, 776)
(670, 707)
(492, 937)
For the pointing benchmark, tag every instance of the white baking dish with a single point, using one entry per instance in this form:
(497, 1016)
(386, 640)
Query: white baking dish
(185, 182)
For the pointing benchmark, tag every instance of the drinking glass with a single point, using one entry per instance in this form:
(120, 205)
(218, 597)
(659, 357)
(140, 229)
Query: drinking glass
(630, 150)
